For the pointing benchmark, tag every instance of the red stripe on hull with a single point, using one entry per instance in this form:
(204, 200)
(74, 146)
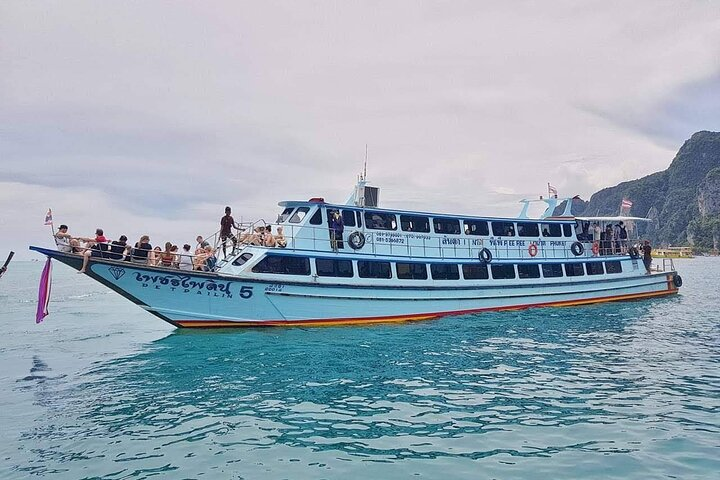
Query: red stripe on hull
(415, 317)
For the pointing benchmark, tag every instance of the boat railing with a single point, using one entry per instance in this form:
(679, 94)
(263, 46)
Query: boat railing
(667, 265)
(424, 245)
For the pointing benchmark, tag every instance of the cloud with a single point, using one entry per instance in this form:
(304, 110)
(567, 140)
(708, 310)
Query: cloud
(147, 112)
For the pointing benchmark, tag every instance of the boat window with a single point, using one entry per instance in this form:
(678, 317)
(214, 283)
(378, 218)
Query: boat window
(444, 271)
(574, 269)
(242, 259)
(316, 219)
(552, 270)
(594, 268)
(567, 230)
(368, 269)
(475, 271)
(503, 271)
(299, 214)
(613, 267)
(411, 271)
(527, 229)
(284, 265)
(503, 229)
(348, 217)
(328, 267)
(447, 226)
(285, 214)
(528, 270)
(476, 227)
(380, 220)
(414, 224)
(551, 230)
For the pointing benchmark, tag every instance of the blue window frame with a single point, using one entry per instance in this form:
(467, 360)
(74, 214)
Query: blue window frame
(475, 271)
(444, 271)
(373, 269)
(411, 271)
(329, 267)
(284, 265)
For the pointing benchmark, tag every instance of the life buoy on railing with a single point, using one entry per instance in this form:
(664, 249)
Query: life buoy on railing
(533, 249)
(485, 255)
(677, 281)
(356, 240)
(595, 248)
(577, 249)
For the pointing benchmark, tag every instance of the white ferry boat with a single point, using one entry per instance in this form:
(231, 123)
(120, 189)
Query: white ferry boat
(389, 266)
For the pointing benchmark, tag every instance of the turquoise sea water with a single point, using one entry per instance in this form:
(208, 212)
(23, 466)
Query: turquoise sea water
(105, 390)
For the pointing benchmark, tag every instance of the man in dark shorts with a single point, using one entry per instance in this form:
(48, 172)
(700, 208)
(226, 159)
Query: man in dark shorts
(647, 255)
(227, 223)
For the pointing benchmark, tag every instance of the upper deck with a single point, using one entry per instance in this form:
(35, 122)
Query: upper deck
(425, 235)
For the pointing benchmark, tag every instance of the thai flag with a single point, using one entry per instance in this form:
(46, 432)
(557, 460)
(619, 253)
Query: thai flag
(48, 217)
(626, 204)
(44, 292)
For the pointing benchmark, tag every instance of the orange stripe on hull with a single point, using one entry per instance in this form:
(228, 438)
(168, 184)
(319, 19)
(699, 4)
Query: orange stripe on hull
(416, 317)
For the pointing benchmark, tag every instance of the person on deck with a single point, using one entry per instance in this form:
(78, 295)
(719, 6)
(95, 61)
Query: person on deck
(167, 258)
(62, 239)
(201, 242)
(336, 231)
(623, 235)
(141, 250)
(186, 259)
(647, 256)
(94, 247)
(280, 240)
(227, 223)
(117, 248)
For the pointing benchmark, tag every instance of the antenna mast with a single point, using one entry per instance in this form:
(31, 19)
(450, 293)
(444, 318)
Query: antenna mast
(365, 166)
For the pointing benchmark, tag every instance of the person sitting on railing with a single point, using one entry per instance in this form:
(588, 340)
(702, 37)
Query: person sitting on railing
(280, 238)
(200, 256)
(201, 242)
(210, 260)
(186, 259)
(167, 258)
(117, 248)
(94, 247)
(154, 256)
(176, 256)
(268, 239)
(62, 240)
(141, 250)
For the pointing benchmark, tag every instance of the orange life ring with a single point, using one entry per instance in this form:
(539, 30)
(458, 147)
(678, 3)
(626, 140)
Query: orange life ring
(595, 248)
(532, 249)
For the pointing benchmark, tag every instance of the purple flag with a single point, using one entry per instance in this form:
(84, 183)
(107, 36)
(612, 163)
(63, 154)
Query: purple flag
(44, 292)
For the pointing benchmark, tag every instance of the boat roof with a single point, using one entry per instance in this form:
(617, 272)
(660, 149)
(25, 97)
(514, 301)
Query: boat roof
(293, 203)
(613, 219)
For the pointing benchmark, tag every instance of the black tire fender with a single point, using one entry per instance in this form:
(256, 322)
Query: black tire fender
(356, 240)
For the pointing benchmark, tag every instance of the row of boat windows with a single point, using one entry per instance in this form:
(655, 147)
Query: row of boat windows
(376, 220)
(326, 267)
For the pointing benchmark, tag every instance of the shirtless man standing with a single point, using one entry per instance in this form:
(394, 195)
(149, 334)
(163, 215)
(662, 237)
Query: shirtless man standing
(227, 223)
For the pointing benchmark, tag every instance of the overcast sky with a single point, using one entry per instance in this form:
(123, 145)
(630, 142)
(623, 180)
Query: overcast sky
(150, 117)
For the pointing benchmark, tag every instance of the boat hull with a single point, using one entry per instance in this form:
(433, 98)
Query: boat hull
(209, 300)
